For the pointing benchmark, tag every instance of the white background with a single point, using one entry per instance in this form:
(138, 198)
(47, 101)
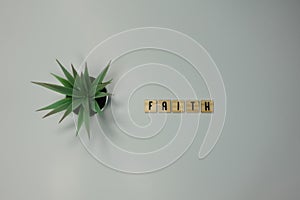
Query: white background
(256, 46)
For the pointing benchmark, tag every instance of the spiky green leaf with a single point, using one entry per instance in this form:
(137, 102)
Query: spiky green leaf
(56, 88)
(75, 74)
(93, 107)
(56, 104)
(99, 79)
(92, 103)
(86, 115)
(97, 108)
(58, 109)
(101, 86)
(80, 120)
(66, 73)
(63, 81)
(79, 89)
(87, 79)
(82, 85)
(101, 94)
(68, 111)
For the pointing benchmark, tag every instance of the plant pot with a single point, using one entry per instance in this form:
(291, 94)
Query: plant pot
(102, 101)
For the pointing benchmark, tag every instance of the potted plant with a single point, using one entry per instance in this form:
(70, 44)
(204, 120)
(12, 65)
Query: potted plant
(84, 95)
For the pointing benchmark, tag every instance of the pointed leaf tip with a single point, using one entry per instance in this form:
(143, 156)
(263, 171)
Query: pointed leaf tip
(56, 88)
(66, 73)
(74, 71)
(68, 111)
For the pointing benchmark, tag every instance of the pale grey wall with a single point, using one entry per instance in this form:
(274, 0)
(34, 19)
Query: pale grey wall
(256, 45)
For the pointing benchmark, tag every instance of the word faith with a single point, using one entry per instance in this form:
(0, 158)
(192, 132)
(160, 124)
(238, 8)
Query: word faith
(178, 106)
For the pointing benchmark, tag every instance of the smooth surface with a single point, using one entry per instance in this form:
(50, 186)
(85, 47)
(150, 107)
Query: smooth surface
(256, 46)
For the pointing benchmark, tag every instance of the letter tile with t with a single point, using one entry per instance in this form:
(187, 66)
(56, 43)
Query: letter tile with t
(192, 106)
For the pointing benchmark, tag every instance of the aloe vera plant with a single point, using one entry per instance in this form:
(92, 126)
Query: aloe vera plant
(81, 92)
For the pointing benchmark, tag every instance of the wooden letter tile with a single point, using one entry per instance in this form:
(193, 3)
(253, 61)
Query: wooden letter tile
(177, 106)
(207, 106)
(164, 106)
(150, 106)
(192, 106)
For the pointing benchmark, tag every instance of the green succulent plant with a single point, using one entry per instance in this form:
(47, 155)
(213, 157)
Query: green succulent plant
(81, 92)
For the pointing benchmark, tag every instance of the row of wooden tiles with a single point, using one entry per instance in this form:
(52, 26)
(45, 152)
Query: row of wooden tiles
(178, 106)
